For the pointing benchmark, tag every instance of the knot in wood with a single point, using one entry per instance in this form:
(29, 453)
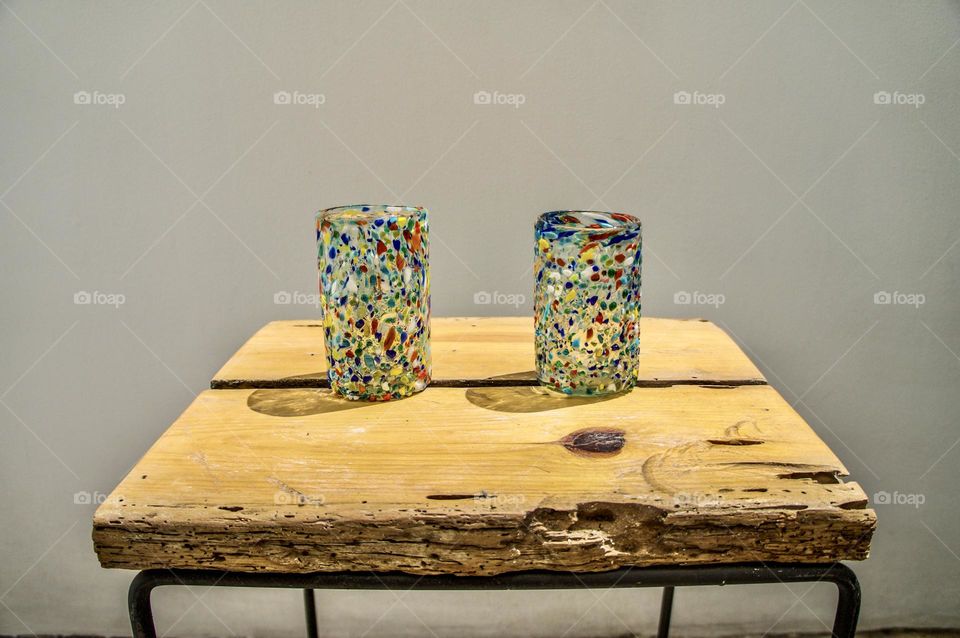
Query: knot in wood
(595, 441)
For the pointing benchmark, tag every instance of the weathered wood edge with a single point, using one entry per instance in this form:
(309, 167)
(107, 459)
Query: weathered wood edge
(581, 539)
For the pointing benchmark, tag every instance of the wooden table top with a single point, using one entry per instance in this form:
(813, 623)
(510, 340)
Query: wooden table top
(484, 472)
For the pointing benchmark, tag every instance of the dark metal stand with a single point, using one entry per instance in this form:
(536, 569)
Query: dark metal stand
(844, 624)
(666, 609)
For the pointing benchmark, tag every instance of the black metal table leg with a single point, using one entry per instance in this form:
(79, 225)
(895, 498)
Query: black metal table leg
(845, 620)
(310, 607)
(138, 602)
(666, 609)
(848, 602)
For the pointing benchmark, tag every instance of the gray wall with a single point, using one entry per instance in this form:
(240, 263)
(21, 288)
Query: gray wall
(794, 202)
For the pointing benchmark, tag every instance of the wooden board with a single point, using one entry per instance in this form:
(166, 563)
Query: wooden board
(483, 480)
(496, 350)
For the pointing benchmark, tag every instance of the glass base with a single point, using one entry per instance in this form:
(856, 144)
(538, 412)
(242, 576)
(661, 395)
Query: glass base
(386, 388)
(595, 388)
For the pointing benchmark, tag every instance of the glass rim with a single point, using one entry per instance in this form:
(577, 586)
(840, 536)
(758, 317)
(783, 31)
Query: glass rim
(372, 211)
(617, 221)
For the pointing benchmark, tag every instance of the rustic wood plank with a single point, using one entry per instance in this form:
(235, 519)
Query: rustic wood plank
(491, 351)
(483, 481)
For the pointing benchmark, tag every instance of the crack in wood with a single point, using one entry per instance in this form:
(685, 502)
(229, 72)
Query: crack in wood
(740, 441)
(826, 478)
(319, 380)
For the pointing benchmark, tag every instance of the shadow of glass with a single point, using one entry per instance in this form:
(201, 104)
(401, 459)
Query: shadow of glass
(300, 402)
(525, 377)
(527, 399)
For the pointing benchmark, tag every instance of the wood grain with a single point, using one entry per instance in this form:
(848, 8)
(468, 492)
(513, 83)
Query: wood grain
(484, 480)
(491, 351)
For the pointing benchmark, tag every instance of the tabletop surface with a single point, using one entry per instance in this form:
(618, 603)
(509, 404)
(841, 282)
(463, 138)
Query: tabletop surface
(484, 472)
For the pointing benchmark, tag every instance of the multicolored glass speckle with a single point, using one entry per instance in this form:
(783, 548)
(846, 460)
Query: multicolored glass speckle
(587, 301)
(375, 296)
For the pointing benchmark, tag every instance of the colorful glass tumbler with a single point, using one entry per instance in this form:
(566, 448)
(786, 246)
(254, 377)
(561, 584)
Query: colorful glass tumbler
(375, 298)
(587, 301)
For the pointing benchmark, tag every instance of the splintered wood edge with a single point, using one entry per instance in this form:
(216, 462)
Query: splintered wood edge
(593, 536)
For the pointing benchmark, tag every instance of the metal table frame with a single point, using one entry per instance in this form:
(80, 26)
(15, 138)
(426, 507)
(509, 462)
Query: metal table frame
(844, 624)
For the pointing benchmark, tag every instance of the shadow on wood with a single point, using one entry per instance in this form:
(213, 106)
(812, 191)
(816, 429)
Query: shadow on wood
(302, 402)
(526, 399)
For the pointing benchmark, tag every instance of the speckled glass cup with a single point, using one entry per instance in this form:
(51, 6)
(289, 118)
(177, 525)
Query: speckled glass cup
(587, 301)
(375, 298)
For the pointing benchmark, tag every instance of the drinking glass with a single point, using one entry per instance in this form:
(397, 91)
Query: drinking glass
(587, 301)
(375, 298)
